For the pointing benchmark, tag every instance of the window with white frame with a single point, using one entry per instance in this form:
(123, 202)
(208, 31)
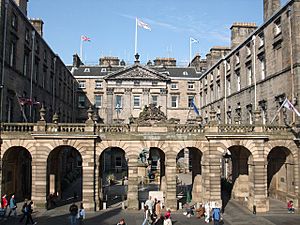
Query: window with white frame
(174, 85)
(98, 101)
(98, 84)
(191, 85)
(262, 68)
(136, 101)
(249, 74)
(238, 80)
(174, 101)
(26, 64)
(81, 84)
(81, 101)
(12, 54)
(154, 100)
(277, 27)
(228, 83)
(118, 102)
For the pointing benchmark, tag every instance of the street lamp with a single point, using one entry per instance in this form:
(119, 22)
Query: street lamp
(226, 156)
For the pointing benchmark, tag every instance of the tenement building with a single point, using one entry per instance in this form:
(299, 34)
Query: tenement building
(138, 124)
(31, 73)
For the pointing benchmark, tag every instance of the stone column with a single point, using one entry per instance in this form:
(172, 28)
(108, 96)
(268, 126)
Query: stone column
(145, 100)
(171, 200)
(186, 157)
(89, 178)
(132, 194)
(110, 105)
(39, 176)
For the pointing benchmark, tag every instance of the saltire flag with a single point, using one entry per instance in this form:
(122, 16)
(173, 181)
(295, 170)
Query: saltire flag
(287, 104)
(193, 40)
(142, 24)
(85, 38)
(195, 108)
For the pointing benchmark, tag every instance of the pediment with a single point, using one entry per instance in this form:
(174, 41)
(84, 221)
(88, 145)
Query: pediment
(137, 72)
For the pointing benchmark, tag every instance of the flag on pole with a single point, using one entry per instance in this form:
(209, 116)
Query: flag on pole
(193, 40)
(287, 104)
(142, 24)
(195, 108)
(85, 38)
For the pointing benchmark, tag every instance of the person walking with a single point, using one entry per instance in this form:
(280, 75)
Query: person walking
(167, 220)
(12, 206)
(147, 216)
(207, 212)
(28, 212)
(121, 222)
(216, 215)
(23, 210)
(73, 213)
(81, 214)
(4, 204)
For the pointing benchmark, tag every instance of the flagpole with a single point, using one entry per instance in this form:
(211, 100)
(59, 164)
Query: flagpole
(135, 43)
(190, 51)
(81, 47)
(278, 111)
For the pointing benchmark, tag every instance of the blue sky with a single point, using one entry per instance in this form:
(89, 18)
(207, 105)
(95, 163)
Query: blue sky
(111, 26)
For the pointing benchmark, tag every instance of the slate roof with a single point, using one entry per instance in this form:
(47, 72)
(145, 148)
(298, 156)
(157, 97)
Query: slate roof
(95, 70)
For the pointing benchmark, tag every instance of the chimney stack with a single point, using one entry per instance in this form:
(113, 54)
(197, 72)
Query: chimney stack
(270, 6)
(38, 25)
(76, 61)
(22, 5)
(240, 31)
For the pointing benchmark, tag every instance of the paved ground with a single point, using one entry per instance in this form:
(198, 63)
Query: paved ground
(234, 215)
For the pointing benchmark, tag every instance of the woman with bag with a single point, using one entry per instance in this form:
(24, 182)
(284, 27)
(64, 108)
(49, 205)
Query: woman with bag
(81, 214)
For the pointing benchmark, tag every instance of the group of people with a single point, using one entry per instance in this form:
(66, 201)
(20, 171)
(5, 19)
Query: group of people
(12, 205)
(210, 211)
(155, 213)
(77, 215)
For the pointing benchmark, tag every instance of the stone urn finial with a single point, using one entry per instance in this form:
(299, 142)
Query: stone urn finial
(213, 115)
(257, 116)
(90, 113)
(55, 118)
(42, 113)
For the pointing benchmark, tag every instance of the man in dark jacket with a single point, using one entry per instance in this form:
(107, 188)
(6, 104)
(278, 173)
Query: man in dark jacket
(73, 213)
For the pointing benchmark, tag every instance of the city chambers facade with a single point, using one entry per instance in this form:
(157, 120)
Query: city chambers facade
(94, 117)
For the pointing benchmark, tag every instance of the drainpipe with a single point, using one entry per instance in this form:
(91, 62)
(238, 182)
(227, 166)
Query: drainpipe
(225, 89)
(31, 74)
(289, 12)
(254, 72)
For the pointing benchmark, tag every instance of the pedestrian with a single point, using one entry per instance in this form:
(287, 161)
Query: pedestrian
(81, 214)
(121, 222)
(147, 216)
(73, 213)
(4, 205)
(207, 212)
(216, 215)
(150, 204)
(12, 206)
(167, 220)
(28, 212)
(290, 206)
(157, 211)
(168, 213)
(23, 210)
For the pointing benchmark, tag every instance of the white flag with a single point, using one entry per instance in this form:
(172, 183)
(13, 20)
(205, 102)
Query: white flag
(287, 104)
(193, 40)
(143, 24)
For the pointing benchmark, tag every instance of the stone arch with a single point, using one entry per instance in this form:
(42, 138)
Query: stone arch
(17, 172)
(7, 144)
(63, 173)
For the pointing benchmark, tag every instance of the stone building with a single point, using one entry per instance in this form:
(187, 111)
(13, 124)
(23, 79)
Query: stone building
(31, 73)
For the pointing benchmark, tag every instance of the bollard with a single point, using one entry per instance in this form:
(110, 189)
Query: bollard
(104, 205)
(254, 209)
(180, 205)
(142, 205)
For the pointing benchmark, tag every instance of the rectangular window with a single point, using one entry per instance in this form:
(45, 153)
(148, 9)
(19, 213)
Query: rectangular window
(154, 100)
(277, 27)
(228, 64)
(218, 89)
(27, 35)
(248, 49)
(136, 101)
(98, 84)
(249, 75)
(261, 40)
(211, 93)
(118, 103)
(81, 101)
(12, 54)
(98, 101)
(36, 71)
(191, 86)
(174, 86)
(136, 83)
(238, 80)
(174, 101)
(118, 161)
(26, 64)
(190, 101)
(228, 80)
(14, 21)
(237, 58)
(262, 68)
(118, 82)
(81, 84)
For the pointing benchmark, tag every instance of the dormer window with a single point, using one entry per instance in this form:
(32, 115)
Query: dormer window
(277, 27)
(86, 70)
(185, 73)
(103, 70)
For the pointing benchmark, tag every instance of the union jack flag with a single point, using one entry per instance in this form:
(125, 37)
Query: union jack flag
(85, 38)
